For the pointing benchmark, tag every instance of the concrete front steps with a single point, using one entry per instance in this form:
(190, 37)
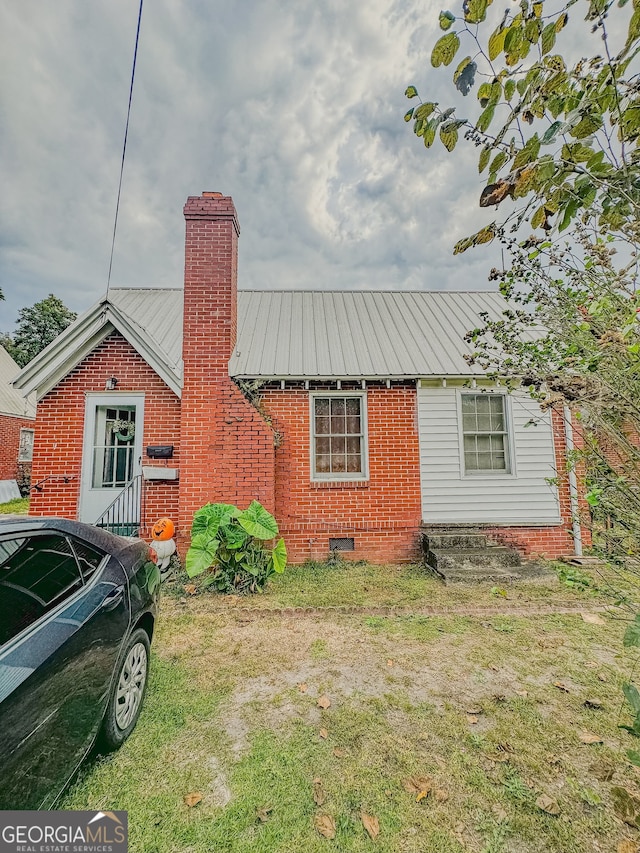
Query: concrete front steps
(461, 553)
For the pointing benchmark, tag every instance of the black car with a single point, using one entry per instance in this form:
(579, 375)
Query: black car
(77, 613)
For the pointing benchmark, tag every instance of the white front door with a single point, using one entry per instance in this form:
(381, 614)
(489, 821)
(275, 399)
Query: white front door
(112, 452)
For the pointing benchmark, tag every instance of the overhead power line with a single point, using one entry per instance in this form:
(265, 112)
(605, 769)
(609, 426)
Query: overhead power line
(124, 146)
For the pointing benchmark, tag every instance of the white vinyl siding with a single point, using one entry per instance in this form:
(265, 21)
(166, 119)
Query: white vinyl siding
(518, 496)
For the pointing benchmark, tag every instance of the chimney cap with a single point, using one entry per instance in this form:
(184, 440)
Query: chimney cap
(208, 194)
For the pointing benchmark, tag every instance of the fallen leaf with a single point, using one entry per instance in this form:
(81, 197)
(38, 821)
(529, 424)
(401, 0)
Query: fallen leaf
(371, 824)
(441, 795)
(626, 806)
(561, 686)
(523, 693)
(603, 770)
(499, 757)
(627, 846)
(589, 737)
(302, 688)
(419, 785)
(389, 662)
(319, 794)
(190, 588)
(499, 813)
(192, 799)
(474, 712)
(324, 702)
(499, 697)
(325, 825)
(263, 814)
(472, 719)
(594, 704)
(592, 619)
(324, 734)
(602, 677)
(339, 753)
(548, 804)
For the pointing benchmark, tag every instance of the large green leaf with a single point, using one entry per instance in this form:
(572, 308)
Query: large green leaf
(485, 156)
(632, 696)
(233, 536)
(279, 557)
(632, 635)
(424, 110)
(548, 37)
(258, 522)
(485, 117)
(209, 518)
(201, 555)
(444, 50)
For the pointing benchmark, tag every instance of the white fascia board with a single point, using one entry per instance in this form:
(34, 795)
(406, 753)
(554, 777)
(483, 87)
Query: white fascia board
(146, 347)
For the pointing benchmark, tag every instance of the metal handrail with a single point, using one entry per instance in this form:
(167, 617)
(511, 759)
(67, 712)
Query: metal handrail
(123, 514)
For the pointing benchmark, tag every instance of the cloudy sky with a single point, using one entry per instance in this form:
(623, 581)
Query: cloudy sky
(293, 108)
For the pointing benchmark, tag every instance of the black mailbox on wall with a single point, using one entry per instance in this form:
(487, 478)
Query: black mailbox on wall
(160, 451)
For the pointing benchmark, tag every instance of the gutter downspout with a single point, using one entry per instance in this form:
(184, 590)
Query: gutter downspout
(573, 484)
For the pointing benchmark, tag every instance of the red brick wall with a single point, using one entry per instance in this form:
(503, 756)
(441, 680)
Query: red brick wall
(9, 445)
(60, 426)
(228, 451)
(382, 514)
(555, 541)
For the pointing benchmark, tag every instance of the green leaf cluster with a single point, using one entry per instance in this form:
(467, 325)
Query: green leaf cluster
(228, 547)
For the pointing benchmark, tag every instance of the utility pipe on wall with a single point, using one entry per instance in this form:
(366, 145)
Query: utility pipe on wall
(573, 483)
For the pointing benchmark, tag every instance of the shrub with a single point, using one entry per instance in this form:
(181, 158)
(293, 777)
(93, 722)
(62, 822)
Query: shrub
(229, 545)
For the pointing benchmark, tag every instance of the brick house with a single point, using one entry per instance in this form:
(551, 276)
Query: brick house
(17, 421)
(353, 416)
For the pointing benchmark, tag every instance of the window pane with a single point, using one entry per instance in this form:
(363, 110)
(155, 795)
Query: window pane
(483, 443)
(353, 406)
(353, 444)
(470, 461)
(484, 423)
(322, 406)
(353, 425)
(497, 403)
(468, 403)
(470, 443)
(497, 422)
(88, 557)
(338, 406)
(323, 445)
(323, 464)
(338, 425)
(338, 445)
(483, 405)
(469, 423)
(338, 463)
(322, 426)
(485, 462)
(35, 577)
(354, 463)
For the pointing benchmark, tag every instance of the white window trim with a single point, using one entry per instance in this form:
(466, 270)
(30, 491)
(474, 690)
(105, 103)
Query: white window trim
(511, 473)
(341, 477)
(22, 458)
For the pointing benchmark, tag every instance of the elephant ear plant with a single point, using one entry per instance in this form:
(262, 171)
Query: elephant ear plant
(228, 545)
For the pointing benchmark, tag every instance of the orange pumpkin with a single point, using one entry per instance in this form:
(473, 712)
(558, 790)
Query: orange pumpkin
(163, 529)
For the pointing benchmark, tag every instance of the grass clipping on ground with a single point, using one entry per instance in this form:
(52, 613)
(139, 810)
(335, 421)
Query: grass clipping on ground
(411, 733)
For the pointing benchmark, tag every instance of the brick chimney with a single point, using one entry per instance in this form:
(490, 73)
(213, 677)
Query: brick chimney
(210, 284)
(226, 448)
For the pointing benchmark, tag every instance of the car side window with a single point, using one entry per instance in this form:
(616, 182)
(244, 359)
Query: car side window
(88, 557)
(36, 574)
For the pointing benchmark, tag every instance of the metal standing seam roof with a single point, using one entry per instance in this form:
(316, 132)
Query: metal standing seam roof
(322, 334)
(11, 401)
(286, 334)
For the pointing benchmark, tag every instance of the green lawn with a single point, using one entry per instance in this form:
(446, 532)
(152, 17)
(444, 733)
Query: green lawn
(17, 506)
(486, 715)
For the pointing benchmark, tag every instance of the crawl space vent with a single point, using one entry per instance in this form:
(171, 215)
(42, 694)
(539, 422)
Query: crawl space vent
(347, 543)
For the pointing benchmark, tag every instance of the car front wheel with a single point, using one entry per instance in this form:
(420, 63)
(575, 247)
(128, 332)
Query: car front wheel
(127, 692)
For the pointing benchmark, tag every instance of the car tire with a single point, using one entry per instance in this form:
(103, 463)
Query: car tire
(127, 692)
